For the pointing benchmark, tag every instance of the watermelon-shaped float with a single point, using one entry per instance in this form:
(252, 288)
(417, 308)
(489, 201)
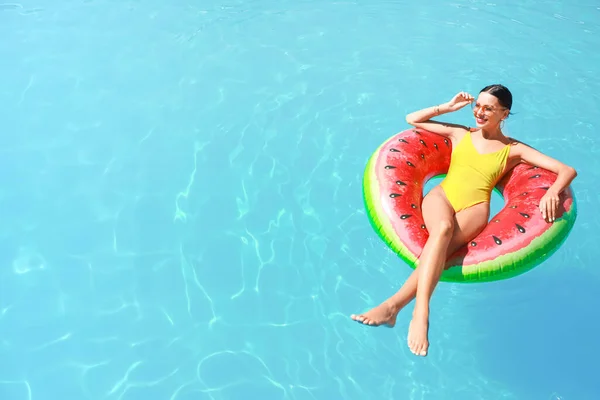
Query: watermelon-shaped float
(514, 241)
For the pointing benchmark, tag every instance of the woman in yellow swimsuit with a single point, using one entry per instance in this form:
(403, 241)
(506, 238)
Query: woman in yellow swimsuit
(458, 209)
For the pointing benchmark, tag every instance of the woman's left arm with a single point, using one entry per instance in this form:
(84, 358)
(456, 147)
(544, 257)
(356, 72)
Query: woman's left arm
(565, 175)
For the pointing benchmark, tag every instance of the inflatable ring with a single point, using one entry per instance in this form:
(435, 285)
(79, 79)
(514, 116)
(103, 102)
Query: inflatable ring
(515, 240)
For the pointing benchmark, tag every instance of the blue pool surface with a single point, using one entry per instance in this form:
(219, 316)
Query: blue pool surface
(181, 199)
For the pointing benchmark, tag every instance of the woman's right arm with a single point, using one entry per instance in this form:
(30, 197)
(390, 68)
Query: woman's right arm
(422, 118)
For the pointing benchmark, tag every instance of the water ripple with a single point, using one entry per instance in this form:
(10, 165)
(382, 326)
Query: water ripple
(182, 203)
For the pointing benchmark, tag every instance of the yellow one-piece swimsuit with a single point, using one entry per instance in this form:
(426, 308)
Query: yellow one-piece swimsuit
(472, 176)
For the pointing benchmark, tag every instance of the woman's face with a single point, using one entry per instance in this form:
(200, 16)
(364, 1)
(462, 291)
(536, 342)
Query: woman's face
(488, 112)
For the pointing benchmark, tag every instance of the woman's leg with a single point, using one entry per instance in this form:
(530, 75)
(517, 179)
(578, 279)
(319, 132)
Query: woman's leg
(445, 238)
(438, 215)
(386, 312)
(435, 208)
(467, 224)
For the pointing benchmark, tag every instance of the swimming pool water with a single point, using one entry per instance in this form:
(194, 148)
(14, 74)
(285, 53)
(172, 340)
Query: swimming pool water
(181, 199)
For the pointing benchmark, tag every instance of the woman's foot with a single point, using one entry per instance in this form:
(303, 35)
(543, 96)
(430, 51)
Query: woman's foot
(417, 333)
(383, 314)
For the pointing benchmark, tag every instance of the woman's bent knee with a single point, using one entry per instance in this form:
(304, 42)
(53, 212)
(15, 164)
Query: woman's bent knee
(438, 214)
(444, 228)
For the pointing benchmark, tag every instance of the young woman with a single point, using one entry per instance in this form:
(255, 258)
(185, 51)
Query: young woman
(458, 209)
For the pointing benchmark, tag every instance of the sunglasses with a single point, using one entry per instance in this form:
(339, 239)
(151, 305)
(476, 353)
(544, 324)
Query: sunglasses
(486, 109)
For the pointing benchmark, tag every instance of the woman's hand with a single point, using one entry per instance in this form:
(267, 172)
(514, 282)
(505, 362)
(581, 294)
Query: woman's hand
(459, 101)
(549, 205)
(565, 174)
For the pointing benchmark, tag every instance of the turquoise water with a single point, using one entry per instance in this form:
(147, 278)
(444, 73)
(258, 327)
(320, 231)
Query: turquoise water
(181, 199)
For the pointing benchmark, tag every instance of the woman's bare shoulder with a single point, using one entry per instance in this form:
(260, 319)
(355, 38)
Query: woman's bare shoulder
(519, 144)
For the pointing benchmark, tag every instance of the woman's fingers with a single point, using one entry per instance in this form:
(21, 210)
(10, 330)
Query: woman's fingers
(543, 208)
(549, 208)
(461, 99)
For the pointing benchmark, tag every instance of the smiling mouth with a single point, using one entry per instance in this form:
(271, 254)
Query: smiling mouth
(480, 120)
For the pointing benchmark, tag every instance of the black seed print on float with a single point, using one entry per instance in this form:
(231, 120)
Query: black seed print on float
(393, 195)
(422, 156)
(447, 143)
(394, 150)
(473, 244)
(400, 183)
(422, 226)
(520, 228)
(402, 140)
(436, 146)
(498, 241)
(410, 164)
(404, 216)
(389, 167)
(413, 205)
(422, 142)
(534, 176)
(524, 215)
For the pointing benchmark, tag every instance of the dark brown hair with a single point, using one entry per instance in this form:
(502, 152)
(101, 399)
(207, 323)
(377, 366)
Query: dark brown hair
(502, 93)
